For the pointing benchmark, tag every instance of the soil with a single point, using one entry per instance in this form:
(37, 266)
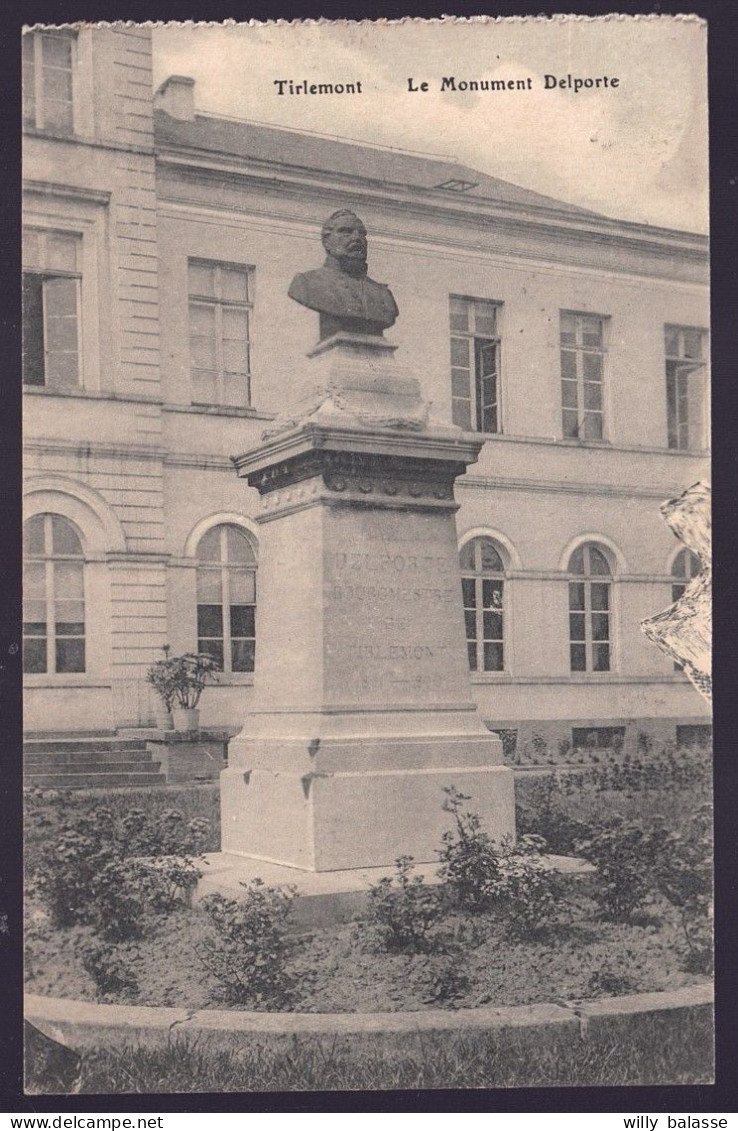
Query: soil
(336, 972)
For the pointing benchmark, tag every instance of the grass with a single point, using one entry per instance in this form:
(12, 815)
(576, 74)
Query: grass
(652, 1054)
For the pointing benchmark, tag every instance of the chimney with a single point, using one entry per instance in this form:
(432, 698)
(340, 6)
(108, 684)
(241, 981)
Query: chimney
(176, 97)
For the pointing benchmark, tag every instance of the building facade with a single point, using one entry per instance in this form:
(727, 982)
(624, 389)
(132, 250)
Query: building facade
(159, 342)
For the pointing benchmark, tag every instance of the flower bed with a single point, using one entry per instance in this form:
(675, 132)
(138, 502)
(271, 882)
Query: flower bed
(109, 888)
(333, 971)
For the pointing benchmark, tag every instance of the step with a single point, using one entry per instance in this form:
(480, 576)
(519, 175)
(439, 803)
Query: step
(53, 735)
(92, 781)
(60, 758)
(33, 745)
(120, 766)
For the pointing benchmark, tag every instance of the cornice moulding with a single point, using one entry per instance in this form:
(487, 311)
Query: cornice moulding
(72, 192)
(559, 225)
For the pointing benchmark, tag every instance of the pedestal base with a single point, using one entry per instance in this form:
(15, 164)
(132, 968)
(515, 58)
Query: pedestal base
(325, 821)
(327, 898)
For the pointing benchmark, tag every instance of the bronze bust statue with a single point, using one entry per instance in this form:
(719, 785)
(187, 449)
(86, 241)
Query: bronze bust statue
(341, 290)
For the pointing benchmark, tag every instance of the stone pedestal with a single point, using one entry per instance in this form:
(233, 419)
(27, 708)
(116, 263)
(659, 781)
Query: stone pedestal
(186, 757)
(362, 709)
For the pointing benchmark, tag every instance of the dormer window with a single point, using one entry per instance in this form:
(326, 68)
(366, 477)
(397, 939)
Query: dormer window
(48, 60)
(456, 184)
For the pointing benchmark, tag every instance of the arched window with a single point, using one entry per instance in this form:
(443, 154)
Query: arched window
(53, 596)
(226, 598)
(590, 608)
(482, 585)
(685, 566)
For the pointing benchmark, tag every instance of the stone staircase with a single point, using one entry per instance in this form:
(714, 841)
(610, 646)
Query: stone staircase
(88, 760)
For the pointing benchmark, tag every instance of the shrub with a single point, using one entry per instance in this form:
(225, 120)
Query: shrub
(682, 872)
(128, 892)
(609, 982)
(564, 748)
(562, 808)
(92, 872)
(161, 834)
(442, 977)
(542, 812)
(530, 892)
(509, 740)
(48, 812)
(168, 881)
(644, 742)
(121, 905)
(539, 744)
(248, 950)
(469, 865)
(402, 910)
(70, 866)
(622, 853)
(111, 968)
(513, 876)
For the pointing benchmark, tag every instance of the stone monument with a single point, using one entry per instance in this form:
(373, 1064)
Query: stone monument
(362, 709)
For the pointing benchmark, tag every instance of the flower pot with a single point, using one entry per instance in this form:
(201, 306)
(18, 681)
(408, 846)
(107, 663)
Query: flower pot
(162, 717)
(186, 718)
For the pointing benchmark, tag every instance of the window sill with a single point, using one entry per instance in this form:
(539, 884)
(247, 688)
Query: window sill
(47, 131)
(63, 679)
(605, 445)
(491, 677)
(592, 679)
(238, 679)
(575, 442)
(87, 394)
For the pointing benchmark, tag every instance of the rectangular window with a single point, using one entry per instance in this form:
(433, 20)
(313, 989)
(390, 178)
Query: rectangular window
(582, 374)
(48, 61)
(475, 364)
(696, 734)
(589, 626)
(219, 310)
(51, 283)
(598, 738)
(686, 354)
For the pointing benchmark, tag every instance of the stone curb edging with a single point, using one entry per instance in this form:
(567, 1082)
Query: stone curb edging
(86, 1025)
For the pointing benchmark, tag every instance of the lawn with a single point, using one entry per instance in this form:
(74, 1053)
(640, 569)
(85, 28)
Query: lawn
(653, 1055)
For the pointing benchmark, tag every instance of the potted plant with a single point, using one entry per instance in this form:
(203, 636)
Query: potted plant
(179, 682)
(160, 677)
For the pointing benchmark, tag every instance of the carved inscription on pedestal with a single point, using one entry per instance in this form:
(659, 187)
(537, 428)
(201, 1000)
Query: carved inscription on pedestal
(395, 623)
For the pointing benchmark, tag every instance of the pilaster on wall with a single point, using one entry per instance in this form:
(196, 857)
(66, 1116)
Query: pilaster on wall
(138, 587)
(138, 631)
(133, 216)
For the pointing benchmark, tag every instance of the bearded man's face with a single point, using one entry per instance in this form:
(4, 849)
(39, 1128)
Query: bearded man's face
(347, 242)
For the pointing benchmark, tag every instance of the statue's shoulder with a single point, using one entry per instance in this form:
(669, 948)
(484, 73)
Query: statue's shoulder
(308, 287)
(308, 280)
(387, 295)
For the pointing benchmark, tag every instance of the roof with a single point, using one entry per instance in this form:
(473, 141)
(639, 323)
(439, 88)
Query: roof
(299, 150)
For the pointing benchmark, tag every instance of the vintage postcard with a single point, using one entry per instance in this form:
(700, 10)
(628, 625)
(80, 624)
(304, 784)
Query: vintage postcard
(367, 555)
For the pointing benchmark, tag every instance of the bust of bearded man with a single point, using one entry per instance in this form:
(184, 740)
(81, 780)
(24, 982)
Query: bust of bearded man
(341, 291)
